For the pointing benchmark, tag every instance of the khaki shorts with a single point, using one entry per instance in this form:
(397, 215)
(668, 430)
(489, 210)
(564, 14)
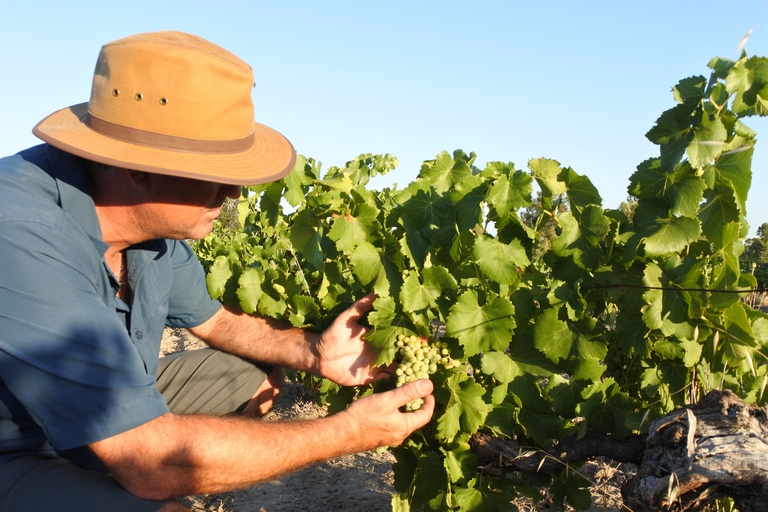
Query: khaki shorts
(205, 381)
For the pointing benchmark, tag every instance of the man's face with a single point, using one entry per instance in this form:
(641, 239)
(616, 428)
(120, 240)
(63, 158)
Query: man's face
(184, 208)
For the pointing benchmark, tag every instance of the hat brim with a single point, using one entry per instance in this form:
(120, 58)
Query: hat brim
(270, 158)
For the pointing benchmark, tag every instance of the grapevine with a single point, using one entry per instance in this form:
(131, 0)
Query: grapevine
(561, 315)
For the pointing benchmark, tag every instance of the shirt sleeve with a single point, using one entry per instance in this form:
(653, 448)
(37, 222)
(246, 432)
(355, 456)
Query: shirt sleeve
(64, 353)
(190, 304)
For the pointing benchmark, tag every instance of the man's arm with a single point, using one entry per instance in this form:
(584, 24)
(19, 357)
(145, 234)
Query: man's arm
(339, 353)
(180, 455)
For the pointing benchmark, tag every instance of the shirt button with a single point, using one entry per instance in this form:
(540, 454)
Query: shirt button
(139, 335)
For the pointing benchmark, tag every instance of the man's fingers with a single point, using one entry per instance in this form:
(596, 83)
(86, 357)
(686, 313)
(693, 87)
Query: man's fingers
(361, 306)
(413, 390)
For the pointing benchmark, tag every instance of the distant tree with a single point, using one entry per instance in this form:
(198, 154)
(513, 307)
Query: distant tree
(535, 214)
(754, 259)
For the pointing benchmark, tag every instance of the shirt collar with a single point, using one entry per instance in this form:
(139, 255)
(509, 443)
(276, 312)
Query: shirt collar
(74, 193)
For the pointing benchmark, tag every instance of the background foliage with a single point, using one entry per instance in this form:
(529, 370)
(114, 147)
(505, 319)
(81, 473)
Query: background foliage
(567, 316)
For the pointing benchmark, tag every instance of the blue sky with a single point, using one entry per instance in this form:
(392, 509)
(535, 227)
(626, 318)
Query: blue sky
(578, 82)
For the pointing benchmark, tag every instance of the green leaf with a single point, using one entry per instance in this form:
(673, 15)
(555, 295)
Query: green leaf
(501, 366)
(460, 463)
(664, 234)
(305, 313)
(580, 190)
(429, 481)
(564, 394)
(481, 327)
(424, 208)
(416, 296)
(444, 172)
(572, 487)
(501, 262)
(465, 411)
(468, 196)
(605, 408)
(738, 340)
(217, 277)
(347, 230)
(306, 235)
(509, 194)
(366, 263)
(546, 172)
(296, 182)
(249, 290)
(685, 195)
(482, 497)
(720, 218)
(581, 239)
(734, 168)
(552, 336)
(708, 142)
(691, 88)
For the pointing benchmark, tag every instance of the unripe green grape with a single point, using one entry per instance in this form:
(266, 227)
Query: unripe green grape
(419, 360)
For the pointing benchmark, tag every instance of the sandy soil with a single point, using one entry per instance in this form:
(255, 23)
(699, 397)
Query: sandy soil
(361, 482)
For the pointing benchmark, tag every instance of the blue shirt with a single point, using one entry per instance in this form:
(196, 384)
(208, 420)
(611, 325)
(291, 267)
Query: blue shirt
(77, 364)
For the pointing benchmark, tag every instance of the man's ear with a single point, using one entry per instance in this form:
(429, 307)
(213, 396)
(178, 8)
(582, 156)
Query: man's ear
(139, 179)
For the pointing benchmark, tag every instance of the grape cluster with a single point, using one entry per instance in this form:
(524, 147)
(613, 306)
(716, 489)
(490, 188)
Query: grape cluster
(419, 360)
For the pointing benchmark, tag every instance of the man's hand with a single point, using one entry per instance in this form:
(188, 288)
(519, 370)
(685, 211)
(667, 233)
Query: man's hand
(342, 354)
(382, 423)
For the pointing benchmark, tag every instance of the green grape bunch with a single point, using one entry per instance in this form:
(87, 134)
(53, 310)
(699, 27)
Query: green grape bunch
(419, 360)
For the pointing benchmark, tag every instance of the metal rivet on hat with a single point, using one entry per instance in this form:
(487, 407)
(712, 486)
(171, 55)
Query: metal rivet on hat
(115, 92)
(163, 101)
(138, 96)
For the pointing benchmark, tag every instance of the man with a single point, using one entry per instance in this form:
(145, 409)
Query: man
(94, 266)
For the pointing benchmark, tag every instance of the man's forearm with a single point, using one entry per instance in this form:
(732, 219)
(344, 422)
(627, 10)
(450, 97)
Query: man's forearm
(181, 455)
(259, 338)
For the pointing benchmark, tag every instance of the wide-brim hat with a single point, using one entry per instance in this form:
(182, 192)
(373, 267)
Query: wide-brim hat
(172, 103)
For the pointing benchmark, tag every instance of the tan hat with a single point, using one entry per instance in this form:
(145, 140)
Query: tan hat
(172, 103)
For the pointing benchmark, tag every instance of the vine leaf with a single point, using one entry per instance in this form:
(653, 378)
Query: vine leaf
(417, 296)
(552, 336)
(366, 263)
(664, 234)
(719, 218)
(218, 275)
(483, 498)
(500, 262)
(509, 194)
(708, 142)
(249, 290)
(605, 408)
(445, 173)
(581, 239)
(347, 230)
(465, 411)
(734, 168)
(501, 366)
(546, 173)
(481, 327)
(306, 236)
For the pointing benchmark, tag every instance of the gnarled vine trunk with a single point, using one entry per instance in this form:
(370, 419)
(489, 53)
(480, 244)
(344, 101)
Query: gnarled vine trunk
(688, 458)
(716, 447)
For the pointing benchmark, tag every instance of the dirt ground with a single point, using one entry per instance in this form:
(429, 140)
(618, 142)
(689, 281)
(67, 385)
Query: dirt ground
(361, 482)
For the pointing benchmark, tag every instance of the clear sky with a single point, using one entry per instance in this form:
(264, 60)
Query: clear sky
(577, 81)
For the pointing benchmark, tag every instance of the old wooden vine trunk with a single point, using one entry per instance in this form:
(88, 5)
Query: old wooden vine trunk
(716, 447)
(688, 458)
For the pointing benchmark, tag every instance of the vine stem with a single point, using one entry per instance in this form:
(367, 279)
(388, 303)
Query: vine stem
(298, 264)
